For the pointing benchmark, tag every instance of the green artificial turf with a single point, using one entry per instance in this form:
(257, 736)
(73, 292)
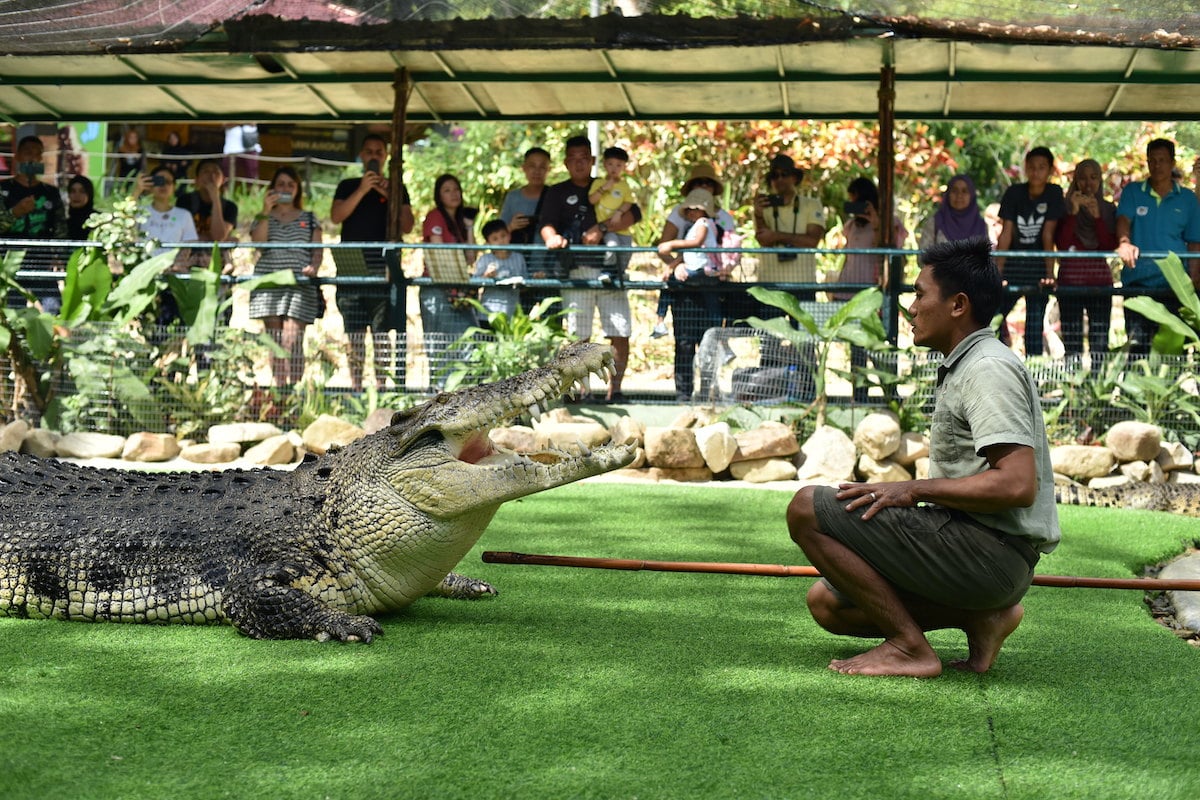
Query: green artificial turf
(601, 684)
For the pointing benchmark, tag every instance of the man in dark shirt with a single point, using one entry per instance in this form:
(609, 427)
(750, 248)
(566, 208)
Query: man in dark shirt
(360, 206)
(37, 212)
(569, 218)
(215, 221)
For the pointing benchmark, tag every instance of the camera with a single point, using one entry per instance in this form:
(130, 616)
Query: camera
(374, 166)
(284, 197)
(855, 208)
(31, 168)
(774, 199)
(533, 220)
(783, 257)
(158, 180)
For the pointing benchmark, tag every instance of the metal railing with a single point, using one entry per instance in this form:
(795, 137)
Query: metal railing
(399, 357)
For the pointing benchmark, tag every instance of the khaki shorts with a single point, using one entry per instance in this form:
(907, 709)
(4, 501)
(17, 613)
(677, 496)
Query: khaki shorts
(582, 304)
(939, 554)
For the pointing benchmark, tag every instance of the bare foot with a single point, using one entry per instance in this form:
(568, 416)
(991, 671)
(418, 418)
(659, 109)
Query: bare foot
(986, 635)
(889, 659)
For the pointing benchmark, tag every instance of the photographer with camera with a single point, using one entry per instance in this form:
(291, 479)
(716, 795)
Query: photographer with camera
(782, 218)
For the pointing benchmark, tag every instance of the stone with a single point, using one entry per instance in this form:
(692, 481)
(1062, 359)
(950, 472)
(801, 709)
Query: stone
(684, 419)
(1175, 456)
(91, 445)
(12, 435)
(1109, 481)
(271, 452)
(1133, 441)
(377, 420)
(717, 445)
(1143, 471)
(768, 440)
(150, 448)
(632, 472)
(569, 435)
(1186, 604)
(627, 430)
(517, 438)
(205, 453)
(681, 474)
(829, 457)
(242, 432)
(912, 446)
(41, 442)
(1082, 461)
(884, 471)
(878, 435)
(1182, 476)
(327, 431)
(921, 468)
(763, 470)
(673, 448)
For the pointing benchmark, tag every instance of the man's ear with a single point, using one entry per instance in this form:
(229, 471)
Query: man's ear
(960, 305)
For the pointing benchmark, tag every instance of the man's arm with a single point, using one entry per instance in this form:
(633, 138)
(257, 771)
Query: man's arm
(1009, 482)
(1003, 242)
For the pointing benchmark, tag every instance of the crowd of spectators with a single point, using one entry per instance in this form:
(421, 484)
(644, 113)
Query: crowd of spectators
(1153, 215)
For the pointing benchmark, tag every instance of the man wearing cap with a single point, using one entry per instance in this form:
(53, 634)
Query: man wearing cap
(782, 218)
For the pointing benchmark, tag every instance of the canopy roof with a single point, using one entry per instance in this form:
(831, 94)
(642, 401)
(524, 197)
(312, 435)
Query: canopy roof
(308, 60)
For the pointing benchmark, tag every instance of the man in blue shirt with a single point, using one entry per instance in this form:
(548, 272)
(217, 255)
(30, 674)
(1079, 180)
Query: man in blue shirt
(1157, 215)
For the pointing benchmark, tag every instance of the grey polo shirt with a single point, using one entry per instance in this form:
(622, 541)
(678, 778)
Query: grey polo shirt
(986, 397)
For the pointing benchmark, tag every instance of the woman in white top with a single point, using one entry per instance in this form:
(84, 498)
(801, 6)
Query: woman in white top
(164, 222)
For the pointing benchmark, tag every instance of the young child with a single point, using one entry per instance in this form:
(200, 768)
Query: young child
(505, 267)
(608, 195)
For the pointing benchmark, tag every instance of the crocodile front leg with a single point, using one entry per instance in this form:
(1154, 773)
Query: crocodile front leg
(460, 587)
(263, 604)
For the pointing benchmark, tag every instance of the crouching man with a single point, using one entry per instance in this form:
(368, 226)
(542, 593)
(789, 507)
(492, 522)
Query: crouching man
(958, 549)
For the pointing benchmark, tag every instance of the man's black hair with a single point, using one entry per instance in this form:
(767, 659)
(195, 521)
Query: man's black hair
(966, 265)
(579, 140)
(374, 137)
(28, 140)
(492, 226)
(1161, 144)
(1042, 151)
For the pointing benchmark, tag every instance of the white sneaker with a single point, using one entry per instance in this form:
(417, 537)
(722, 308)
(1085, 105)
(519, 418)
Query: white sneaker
(660, 330)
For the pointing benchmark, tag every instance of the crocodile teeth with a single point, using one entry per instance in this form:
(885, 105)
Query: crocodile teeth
(535, 411)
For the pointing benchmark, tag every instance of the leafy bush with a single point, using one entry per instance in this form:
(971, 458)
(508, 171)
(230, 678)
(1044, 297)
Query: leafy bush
(510, 345)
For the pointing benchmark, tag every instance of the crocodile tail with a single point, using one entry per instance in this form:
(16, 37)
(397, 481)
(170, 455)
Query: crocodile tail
(1074, 494)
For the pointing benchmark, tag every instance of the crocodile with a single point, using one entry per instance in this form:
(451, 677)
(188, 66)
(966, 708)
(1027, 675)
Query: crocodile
(314, 552)
(1181, 499)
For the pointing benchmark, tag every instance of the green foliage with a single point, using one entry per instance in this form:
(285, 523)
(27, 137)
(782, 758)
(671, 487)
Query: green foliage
(1159, 394)
(510, 345)
(211, 384)
(119, 232)
(1086, 397)
(855, 322)
(110, 369)
(1175, 333)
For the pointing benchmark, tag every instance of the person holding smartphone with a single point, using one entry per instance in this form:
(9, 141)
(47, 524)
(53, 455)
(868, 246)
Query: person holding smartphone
(1090, 224)
(165, 222)
(360, 206)
(287, 311)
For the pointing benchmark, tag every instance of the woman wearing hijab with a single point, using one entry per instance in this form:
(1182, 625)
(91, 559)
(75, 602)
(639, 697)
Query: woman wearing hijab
(81, 196)
(957, 216)
(1090, 225)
